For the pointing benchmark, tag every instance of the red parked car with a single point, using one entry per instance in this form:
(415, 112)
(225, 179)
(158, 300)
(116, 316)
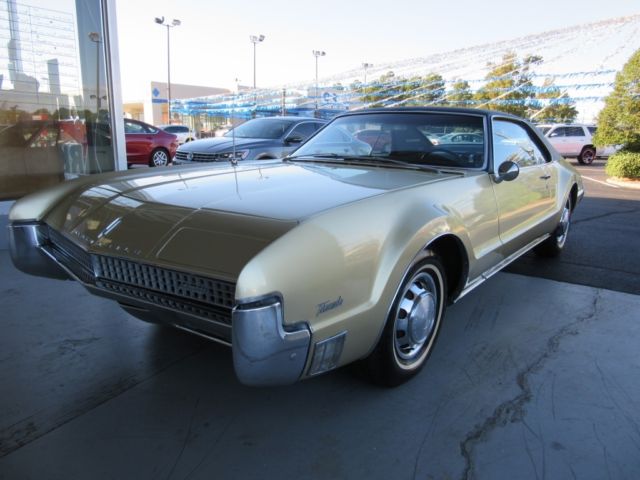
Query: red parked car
(148, 145)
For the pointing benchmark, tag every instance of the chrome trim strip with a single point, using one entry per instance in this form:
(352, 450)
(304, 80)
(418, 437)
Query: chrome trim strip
(201, 334)
(496, 268)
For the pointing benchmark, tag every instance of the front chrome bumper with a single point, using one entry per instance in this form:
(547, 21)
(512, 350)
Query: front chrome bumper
(265, 352)
(25, 242)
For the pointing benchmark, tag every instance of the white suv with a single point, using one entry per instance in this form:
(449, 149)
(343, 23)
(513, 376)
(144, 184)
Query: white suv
(575, 140)
(184, 133)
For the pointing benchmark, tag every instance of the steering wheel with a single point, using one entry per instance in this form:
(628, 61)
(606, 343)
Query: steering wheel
(443, 153)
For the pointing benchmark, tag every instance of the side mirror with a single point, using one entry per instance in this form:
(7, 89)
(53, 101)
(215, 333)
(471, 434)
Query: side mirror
(294, 139)
(507, 171)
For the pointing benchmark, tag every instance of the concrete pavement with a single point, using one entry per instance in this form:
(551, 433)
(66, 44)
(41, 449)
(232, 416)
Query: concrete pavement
(531, 378)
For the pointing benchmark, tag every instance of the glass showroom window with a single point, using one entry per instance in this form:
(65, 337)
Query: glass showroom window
(55, 119)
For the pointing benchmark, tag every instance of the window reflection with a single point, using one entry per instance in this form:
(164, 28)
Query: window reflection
(54, 110)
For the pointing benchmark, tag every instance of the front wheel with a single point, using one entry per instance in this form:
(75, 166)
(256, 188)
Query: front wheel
(159, 158)
(412, 326)
(553, 245)
(587, 156)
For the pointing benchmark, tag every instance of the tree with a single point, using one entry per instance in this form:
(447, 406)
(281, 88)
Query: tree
(460, 94)
(619, 120)
(556, 107)
(509, 87)
(434, 89)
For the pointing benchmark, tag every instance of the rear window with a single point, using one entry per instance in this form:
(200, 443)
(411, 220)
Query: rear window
(176, 129)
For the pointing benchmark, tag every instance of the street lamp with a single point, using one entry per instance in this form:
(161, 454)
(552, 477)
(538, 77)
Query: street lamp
(365, 66)
(174, 23)
(317, 53)
(255, 39)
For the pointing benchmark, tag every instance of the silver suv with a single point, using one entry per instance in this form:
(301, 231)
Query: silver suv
(575, 140)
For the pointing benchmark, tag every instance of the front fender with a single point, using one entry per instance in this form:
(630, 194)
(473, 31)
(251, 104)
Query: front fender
(340, 270)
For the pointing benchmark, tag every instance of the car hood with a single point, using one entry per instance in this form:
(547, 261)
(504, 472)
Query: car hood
(224, 144)
(214, 220)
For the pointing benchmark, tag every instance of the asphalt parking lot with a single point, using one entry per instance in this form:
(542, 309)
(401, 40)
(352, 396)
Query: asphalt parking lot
(535, 375)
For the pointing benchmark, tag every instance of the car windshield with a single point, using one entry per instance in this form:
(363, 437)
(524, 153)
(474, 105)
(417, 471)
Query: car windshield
(412, 138)
(261, 128)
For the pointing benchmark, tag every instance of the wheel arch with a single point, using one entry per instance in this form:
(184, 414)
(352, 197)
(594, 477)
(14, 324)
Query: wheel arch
(573, 195)
(453, 256)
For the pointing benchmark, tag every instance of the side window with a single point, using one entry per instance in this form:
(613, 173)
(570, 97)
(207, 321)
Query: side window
(592, 130)
(574, 132)
(511, 141)
(130, 127)
(303, 130)
(558, 132)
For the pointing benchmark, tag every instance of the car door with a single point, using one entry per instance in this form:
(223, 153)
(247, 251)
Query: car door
(559, 141)
(526, 202)
(574, 139)
(138, 141)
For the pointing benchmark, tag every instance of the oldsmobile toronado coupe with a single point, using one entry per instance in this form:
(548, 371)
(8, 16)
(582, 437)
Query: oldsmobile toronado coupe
(349, 249)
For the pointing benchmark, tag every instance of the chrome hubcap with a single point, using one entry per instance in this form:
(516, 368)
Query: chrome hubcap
(415, 317)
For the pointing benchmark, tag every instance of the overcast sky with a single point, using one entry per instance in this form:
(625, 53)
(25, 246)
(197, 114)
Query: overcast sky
(212, 47)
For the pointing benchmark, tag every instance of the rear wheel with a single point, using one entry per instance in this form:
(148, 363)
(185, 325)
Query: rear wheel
(553, 245)
(412, 326)
(587, 155)
(159, 158)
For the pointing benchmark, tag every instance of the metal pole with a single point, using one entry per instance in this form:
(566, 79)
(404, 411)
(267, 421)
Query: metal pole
(168, 76)
(98, 79)
(316, 92)
(254, 65)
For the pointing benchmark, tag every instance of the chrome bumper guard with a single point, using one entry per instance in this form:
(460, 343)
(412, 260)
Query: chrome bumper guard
(25, 246)
(264, 353)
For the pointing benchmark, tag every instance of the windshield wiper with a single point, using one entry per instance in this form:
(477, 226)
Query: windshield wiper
(369, 159)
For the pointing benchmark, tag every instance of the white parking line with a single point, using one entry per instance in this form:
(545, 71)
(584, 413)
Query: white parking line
(601, 182)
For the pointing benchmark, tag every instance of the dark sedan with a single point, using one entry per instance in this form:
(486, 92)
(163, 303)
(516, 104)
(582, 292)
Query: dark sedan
(257, 139)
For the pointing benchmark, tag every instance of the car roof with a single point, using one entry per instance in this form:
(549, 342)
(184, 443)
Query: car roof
(292, 117)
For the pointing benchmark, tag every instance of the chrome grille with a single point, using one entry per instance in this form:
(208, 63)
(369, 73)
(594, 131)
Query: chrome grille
(197, 157)
(70, 255)
(184, 292)
(162, 280)
(221, 315)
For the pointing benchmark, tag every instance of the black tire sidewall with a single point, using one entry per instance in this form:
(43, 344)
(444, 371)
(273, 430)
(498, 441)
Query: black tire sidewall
(383, 364)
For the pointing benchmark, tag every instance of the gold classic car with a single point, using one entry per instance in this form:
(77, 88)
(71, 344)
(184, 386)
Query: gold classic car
(347, 250)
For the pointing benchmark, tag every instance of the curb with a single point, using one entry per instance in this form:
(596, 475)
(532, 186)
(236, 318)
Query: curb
(633, 184)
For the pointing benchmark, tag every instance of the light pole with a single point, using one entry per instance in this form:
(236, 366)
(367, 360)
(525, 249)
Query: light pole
(174, 23)
(255, 39)
(317, 53)
(365, 66)
(95, 37)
